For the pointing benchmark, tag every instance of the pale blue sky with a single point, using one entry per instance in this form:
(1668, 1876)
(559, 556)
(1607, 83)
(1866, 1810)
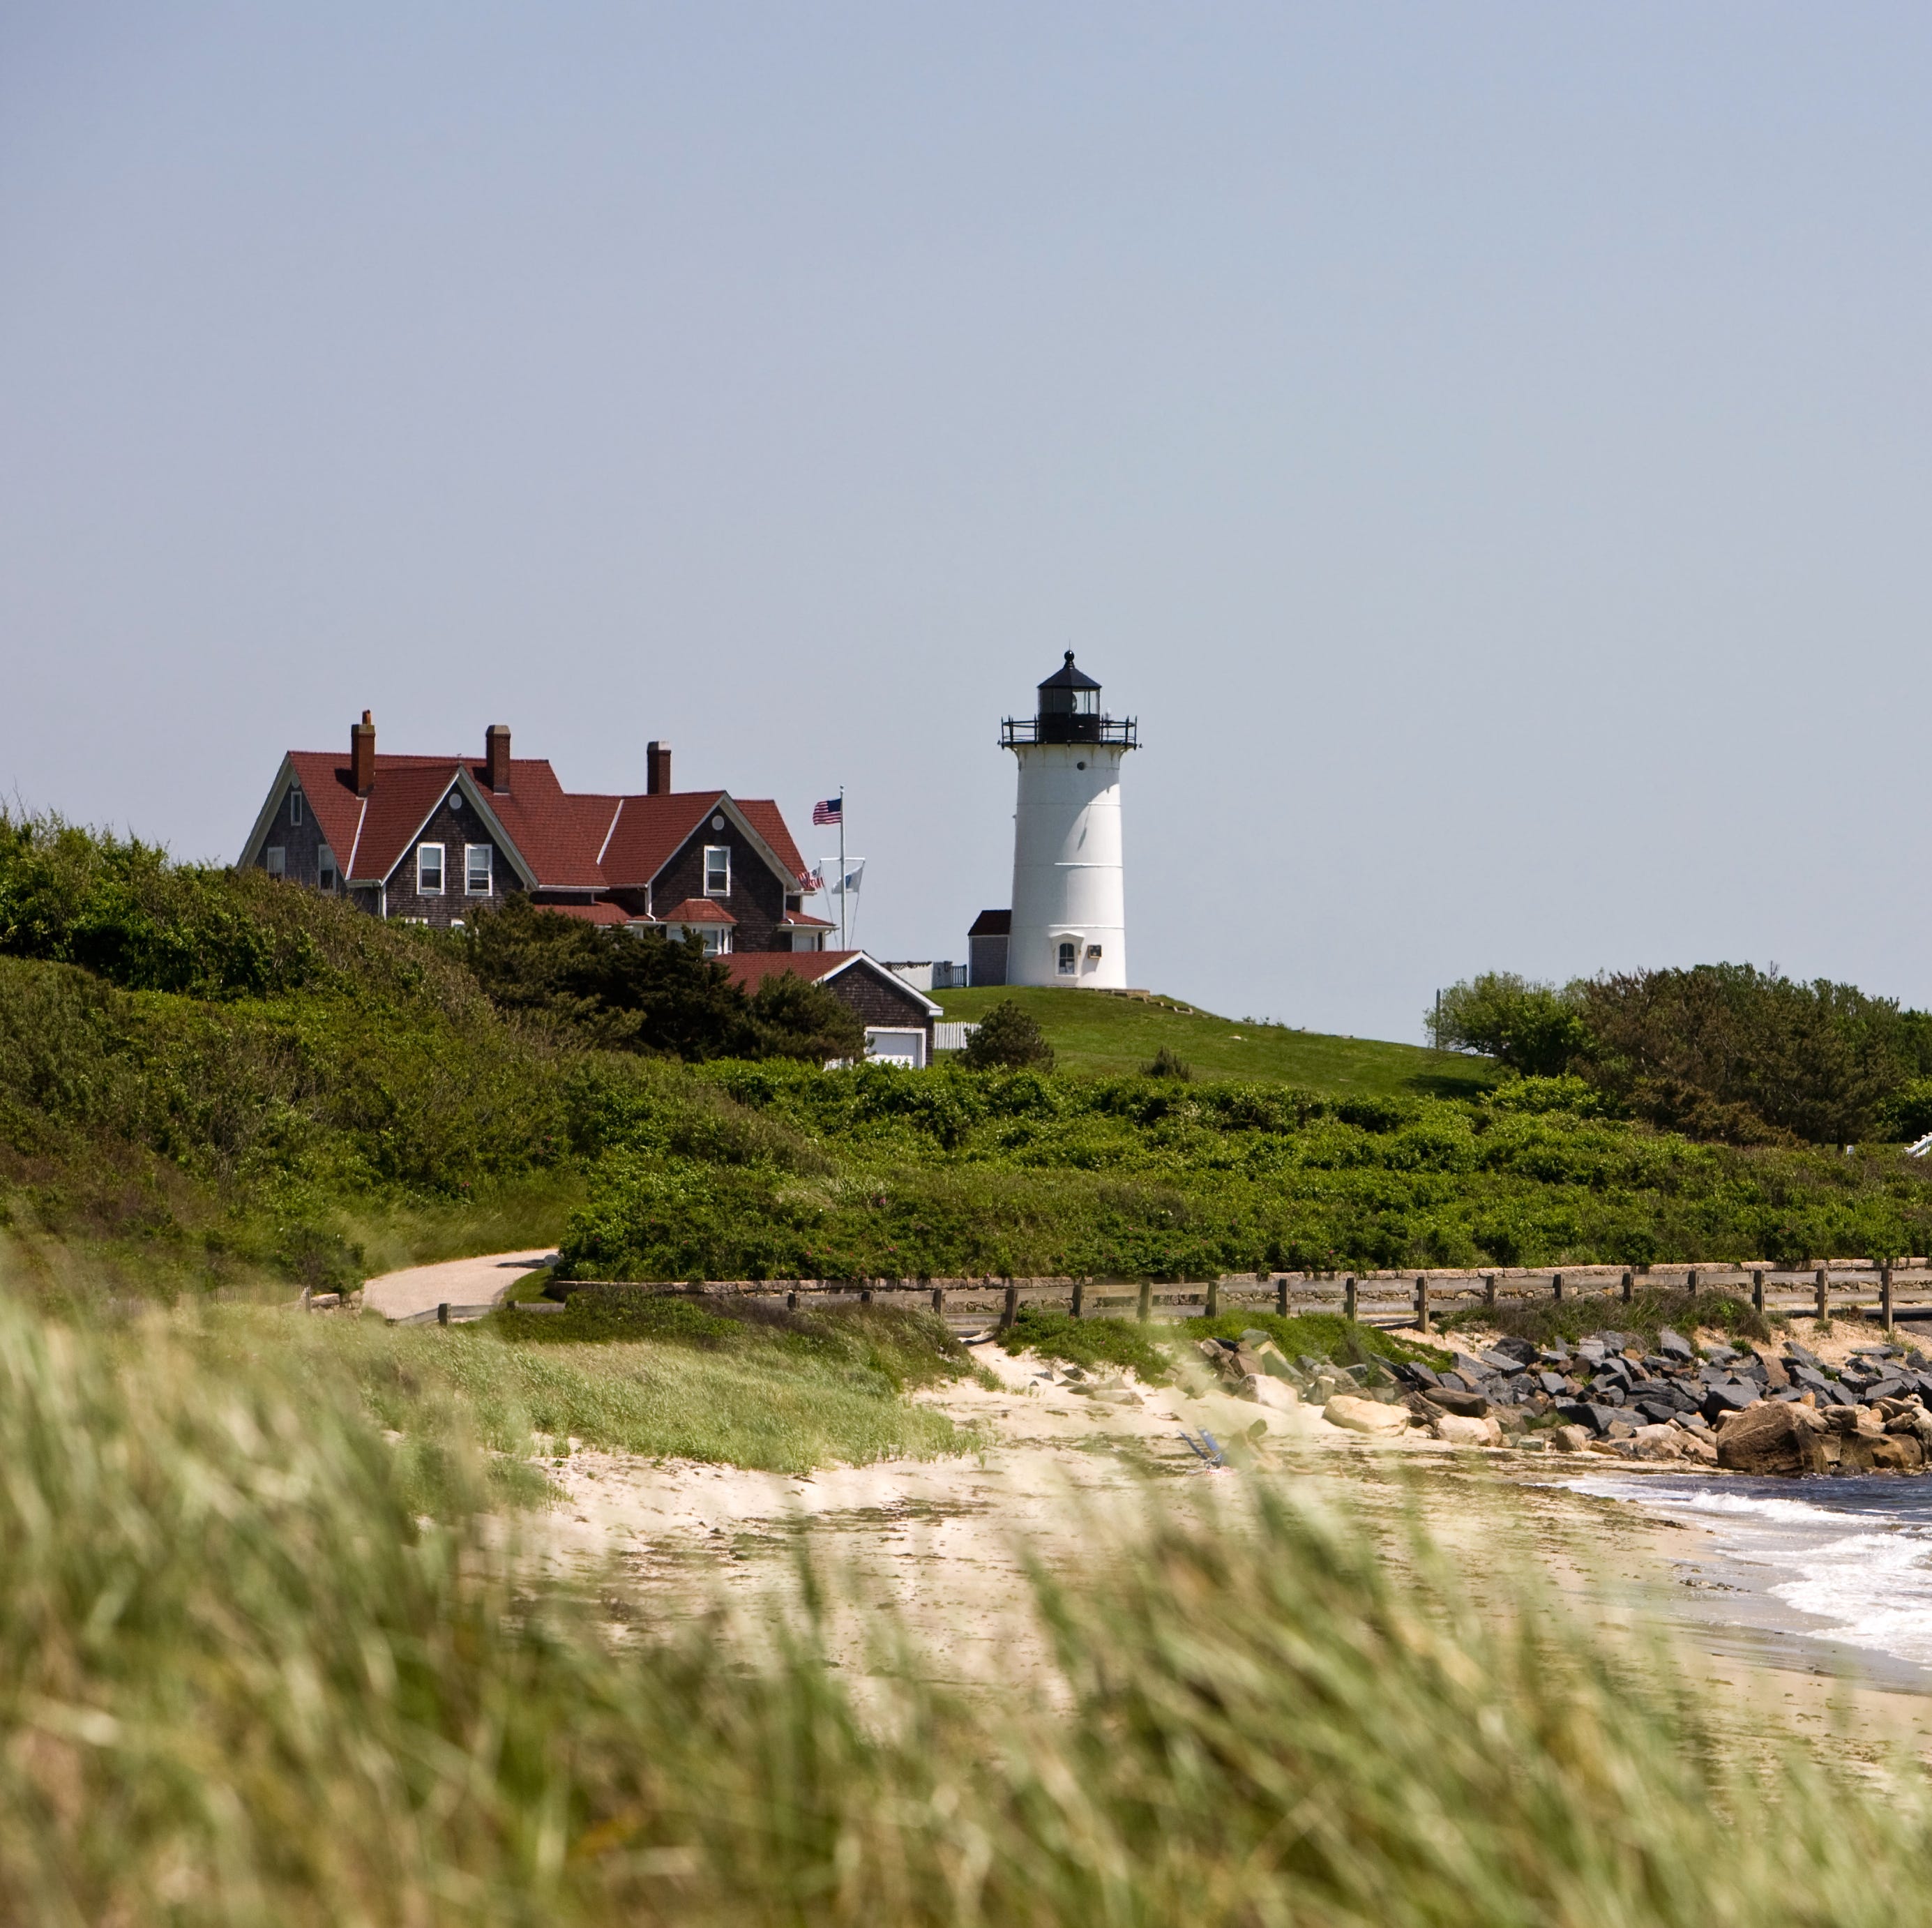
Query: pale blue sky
(1487, 446)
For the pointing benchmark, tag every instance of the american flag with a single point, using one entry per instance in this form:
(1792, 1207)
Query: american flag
(832, 811)
(814, 879)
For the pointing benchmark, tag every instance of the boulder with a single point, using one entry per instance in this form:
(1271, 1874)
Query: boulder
(1269, 1391)
(1456, 1431)
(1660, 1442)
(1465, 1405)
(1697, 1448)
(1570, 1439)
(1775, 1375)
(1674, 1345)
(1719, 1400)
(1768, 1439)
(1584, 1413)
(1367, 1415)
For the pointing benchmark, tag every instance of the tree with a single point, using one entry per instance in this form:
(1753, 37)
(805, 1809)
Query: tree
(1534, 1029)
(625, 990)
(1007, 1038)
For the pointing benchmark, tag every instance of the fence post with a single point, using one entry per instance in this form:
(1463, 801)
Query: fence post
(1556, 1287)
(1757, 1289)
(939, 1301)
(1348, 1299)
(443, 1313)
(1012, 1307)
(1422, 1301)
(791, 1301)
(1626, 1288)
(1824, 1297)
(1690, 1282)
(1214, 1299)
(864, 1295)
(1147, 1300)
(1488, 1288)
(1885, 1297)
(1079, 1295)
(307, 1301)
(1281, 1296)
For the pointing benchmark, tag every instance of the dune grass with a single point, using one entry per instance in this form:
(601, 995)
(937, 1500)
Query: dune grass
(775, 1408)
(1109, 1036)
(248, 1676)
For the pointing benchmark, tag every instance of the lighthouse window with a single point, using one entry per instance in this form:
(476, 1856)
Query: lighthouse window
(1086, 702)
(1069, 956)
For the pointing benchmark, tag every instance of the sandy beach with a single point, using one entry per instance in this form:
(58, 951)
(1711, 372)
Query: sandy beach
(1060, 1468)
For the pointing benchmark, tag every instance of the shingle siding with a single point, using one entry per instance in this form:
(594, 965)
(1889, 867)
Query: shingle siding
(453, 829)
(757, 897)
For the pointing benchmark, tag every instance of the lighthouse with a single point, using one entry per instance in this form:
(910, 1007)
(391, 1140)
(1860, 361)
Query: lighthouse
(1069, 917)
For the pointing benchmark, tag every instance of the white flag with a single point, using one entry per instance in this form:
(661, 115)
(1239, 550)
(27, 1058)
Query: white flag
(847, 885)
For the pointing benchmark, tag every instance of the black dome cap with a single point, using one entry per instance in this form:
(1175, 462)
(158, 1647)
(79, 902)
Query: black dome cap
(1067, 678)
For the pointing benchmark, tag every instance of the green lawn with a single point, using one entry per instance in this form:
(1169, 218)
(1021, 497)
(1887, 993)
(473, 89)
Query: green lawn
(1094, 1033)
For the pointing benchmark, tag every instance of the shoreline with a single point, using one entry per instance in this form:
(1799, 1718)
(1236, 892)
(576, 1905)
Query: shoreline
(944, 1547)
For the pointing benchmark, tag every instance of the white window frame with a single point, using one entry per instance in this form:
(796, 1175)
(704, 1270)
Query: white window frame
(471, 852)
(715, 938)
(1066, 957)
(712, 850)
(275, 860)
(295, 807)
(328, 871)
(424, 890)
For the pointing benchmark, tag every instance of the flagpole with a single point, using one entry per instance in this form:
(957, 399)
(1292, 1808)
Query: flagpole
(843, 893)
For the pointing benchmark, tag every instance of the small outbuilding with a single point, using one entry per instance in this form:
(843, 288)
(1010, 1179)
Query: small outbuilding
(899, 1020)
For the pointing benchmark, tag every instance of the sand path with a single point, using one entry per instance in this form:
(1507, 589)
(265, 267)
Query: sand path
(470, 1282)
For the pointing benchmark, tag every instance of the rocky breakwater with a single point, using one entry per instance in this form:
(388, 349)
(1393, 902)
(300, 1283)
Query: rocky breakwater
(1745, 1409)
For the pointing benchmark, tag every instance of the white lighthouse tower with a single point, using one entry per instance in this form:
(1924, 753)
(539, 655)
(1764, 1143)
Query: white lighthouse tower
(1069, 917)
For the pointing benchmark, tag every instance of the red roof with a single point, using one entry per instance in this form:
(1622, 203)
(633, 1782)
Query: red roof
(803, 920)
(752, 968)
(603, 913)
(698, 910)
(567, 840)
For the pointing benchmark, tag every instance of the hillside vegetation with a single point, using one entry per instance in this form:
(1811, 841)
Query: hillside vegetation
(210, 1078)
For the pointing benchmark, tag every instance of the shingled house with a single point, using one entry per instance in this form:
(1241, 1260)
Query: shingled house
(432, 839)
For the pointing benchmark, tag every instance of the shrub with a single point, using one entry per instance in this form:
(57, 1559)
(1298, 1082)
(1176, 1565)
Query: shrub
(1169, 1063)
(1534, 1029)
(1006, 1038)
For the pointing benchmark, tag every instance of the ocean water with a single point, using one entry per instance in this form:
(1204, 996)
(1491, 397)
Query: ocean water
(1840, 1563)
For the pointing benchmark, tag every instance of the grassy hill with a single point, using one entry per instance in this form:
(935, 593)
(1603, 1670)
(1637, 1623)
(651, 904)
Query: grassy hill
(1110, 1036)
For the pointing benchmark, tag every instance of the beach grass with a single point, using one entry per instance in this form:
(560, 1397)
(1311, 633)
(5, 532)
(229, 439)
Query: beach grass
(253, 1670)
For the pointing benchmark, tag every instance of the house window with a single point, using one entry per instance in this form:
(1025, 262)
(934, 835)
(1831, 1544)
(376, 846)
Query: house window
(276, 858)
(325, 868)
(295, 810)
(716, 942)
(717, 869)
(429, 870)
(477, 876)
(1069, 958)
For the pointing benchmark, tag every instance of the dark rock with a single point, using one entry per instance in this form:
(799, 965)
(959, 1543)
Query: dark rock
(1521, 1350)
(1721, 1354)
(1553, 1383)
(1804, 1355)
(1923, 1381)
(1768, 1440)
(1887, 1388)
(1464, 1405)
(1674, 1345)
(1658, 1411)
(1501, 1362)
(1586, 1412)
(1417, 1374)
(1694, 1423)
(1721, 1399)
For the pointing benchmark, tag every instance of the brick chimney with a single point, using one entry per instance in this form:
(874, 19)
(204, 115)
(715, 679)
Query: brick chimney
(657, 770)
(362, 755)
(496, 756)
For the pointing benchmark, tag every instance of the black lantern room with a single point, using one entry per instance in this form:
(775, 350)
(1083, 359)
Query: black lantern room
(1069, 713)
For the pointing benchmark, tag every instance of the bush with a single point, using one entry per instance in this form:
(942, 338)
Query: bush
(1169, 1063)
(1007, 1039)
(1534, 1029)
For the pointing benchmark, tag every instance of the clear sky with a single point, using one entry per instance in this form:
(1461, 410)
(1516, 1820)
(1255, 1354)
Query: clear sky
(1486, 446)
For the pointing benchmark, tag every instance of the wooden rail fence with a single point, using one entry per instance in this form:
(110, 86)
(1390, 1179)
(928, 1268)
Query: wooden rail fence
(1860, 1288)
